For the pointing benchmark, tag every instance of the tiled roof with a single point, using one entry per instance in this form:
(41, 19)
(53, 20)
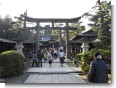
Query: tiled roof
(88, 33)
(6, 40)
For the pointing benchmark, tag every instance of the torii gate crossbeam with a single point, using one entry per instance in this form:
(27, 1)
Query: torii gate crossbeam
(53, 21)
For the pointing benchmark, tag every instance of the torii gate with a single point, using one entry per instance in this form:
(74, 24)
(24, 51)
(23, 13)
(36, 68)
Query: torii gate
(52, 21)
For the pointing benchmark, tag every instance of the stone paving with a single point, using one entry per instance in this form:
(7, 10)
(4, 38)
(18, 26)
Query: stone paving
(54, 78)
(54, 74)
(55, 68)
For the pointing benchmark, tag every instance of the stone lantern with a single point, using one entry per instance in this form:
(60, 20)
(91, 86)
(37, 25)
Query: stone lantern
(19, 46)
(85, 45)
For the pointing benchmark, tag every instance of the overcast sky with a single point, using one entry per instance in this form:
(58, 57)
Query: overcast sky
(46, 8)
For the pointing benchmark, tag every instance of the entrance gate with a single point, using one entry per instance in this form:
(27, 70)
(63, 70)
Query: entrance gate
(25, 18)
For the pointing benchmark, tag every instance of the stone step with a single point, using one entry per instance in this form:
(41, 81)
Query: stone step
(55, 72)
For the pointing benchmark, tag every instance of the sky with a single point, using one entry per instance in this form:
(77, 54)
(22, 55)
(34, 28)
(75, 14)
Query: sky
(46, 8)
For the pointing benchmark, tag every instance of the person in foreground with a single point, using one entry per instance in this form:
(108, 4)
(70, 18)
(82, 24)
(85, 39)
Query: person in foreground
(98, 70)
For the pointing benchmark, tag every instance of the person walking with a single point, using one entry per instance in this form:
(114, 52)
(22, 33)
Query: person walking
(39, 56)
(52, 52)
(62, 57)
(45, 55)
(98, 70)
(50, 59)
(34, 59)
(55, 53)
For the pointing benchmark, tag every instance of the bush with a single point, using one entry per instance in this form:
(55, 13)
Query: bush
(26, 59)
(79, 56)
(85, 67)
(11, 63)
(88, 57)
(106, 56)
(74, 61)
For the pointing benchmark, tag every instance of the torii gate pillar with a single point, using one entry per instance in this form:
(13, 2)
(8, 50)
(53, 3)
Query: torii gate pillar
(67, 42)
(37, 36)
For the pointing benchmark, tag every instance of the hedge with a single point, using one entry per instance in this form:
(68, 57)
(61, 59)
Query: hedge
(89, 56)
(11, 63)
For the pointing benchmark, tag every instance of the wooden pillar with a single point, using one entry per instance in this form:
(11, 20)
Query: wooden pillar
(37, 36)
(52, 24)
(25, 34)
(67, 42)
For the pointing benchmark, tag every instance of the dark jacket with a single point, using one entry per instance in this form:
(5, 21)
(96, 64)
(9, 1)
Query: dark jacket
(39, 55)
(98, 72)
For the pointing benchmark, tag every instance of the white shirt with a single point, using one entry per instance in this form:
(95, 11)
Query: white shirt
(61, 47)
(55, 51)
(61, 54)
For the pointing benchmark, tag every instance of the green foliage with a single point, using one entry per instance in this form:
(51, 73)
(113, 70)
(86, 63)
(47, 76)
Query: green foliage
(79, 55)
(11, 29)
(106, 55)
(89, 56)
(26, 59)
(101, 22)
(73, 33)
(74, 61)
(5, 26)
(11, 63)
(85, 67)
